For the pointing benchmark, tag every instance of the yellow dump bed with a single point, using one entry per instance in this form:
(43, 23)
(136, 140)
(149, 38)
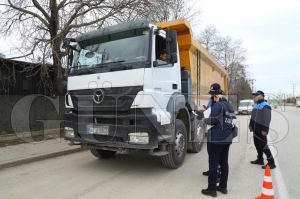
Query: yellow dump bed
(204, 68)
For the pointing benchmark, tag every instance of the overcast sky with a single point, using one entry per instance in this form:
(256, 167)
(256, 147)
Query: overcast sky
(270, 30)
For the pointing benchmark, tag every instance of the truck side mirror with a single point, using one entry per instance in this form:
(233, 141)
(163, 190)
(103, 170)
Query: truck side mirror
(66, 43)
(172, 41)
(174, 58)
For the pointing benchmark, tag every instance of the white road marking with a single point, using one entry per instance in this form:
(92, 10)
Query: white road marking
(277, 174)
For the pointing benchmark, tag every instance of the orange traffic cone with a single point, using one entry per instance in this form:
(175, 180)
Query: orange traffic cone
(267, 189)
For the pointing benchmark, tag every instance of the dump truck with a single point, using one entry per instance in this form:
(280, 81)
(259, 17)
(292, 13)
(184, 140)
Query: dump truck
(123, 99)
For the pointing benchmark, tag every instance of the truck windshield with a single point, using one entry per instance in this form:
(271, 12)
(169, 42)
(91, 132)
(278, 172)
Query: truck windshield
(108, 52)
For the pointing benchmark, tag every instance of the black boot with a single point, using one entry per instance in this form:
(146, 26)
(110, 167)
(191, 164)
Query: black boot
(206, 173)
(222, 190)
(209, 193)
(260, 162)
(272, 166)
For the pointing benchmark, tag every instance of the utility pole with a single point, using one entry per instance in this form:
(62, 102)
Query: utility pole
(251, 80)
(294, 85)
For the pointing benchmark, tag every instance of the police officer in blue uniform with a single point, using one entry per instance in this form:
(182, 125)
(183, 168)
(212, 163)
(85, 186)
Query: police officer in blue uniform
(220, 139)
(259, 125)
(212, 90)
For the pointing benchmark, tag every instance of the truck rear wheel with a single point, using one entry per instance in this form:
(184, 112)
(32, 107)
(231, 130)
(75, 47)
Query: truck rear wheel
(198, 141)
(102, 154)
(177, 150)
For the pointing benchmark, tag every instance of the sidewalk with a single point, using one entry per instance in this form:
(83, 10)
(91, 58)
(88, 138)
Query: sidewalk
(14, 155)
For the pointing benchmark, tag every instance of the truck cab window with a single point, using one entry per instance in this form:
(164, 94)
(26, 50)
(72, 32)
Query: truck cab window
(160, 50)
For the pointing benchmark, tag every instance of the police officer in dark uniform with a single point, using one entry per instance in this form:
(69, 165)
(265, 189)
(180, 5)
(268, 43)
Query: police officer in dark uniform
(220, 139)
(259, 125)
(214, 87)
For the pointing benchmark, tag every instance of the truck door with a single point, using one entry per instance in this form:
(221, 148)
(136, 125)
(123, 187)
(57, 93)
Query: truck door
(165, 76)
(164, 82)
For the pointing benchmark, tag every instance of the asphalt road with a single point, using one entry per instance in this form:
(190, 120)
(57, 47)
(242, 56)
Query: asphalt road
(140, 175)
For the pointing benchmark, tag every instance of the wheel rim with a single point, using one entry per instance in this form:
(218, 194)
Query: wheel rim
(179, 143)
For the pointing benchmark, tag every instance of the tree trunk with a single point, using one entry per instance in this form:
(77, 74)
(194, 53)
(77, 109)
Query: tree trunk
(57, 83)
(56, 53)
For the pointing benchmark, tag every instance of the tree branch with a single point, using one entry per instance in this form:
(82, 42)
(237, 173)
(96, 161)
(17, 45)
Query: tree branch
(38, 6)
(29, 12)
(31, 52)
(61, 5)
(73, 17)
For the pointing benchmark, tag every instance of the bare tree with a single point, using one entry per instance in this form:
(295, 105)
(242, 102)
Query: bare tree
(209, 38)
(230, 54)
(40, 26)
(163, 10)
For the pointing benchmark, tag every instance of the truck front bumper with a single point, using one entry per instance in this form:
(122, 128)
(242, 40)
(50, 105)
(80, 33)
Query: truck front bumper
(119, 126)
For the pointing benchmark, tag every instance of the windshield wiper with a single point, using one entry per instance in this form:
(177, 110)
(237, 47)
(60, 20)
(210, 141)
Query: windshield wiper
(81, 67)
(119, 67)
(113, 66)
(82, 70)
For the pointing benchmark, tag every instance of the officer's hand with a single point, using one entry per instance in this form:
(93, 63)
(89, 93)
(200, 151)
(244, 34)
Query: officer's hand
(264, 133)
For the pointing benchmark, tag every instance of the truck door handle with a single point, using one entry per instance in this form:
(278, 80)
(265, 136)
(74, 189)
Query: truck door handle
(174, 86)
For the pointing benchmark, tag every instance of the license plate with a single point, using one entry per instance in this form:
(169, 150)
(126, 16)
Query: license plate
(97, 129)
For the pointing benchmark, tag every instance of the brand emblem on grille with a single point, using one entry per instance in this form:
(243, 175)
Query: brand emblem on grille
(98, 96)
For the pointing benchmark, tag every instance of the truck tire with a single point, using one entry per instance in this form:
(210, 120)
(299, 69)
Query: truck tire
(177, 150)
(198, 142)
(102, 154)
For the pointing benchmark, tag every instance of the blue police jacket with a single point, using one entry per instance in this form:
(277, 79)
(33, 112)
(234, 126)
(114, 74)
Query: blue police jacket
(221, 118)
(260, 117)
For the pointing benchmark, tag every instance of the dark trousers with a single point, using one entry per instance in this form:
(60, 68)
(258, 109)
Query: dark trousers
(261, 145)
(218, 154)
(207, 148)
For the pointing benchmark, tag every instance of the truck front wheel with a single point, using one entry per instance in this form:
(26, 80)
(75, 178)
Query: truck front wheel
(177, 150)
(197, 141)
(102, 154)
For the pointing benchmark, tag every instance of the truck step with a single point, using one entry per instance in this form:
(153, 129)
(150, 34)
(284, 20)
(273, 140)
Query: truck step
(159, 153)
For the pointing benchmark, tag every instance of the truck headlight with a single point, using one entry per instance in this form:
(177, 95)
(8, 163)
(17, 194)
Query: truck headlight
(69, 132)
(138, 138)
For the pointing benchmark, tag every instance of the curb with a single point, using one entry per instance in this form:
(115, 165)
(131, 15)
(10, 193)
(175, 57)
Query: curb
(36, 158)
(25, 135)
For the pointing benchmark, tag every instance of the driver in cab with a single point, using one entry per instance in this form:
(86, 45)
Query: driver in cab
(162, 57)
